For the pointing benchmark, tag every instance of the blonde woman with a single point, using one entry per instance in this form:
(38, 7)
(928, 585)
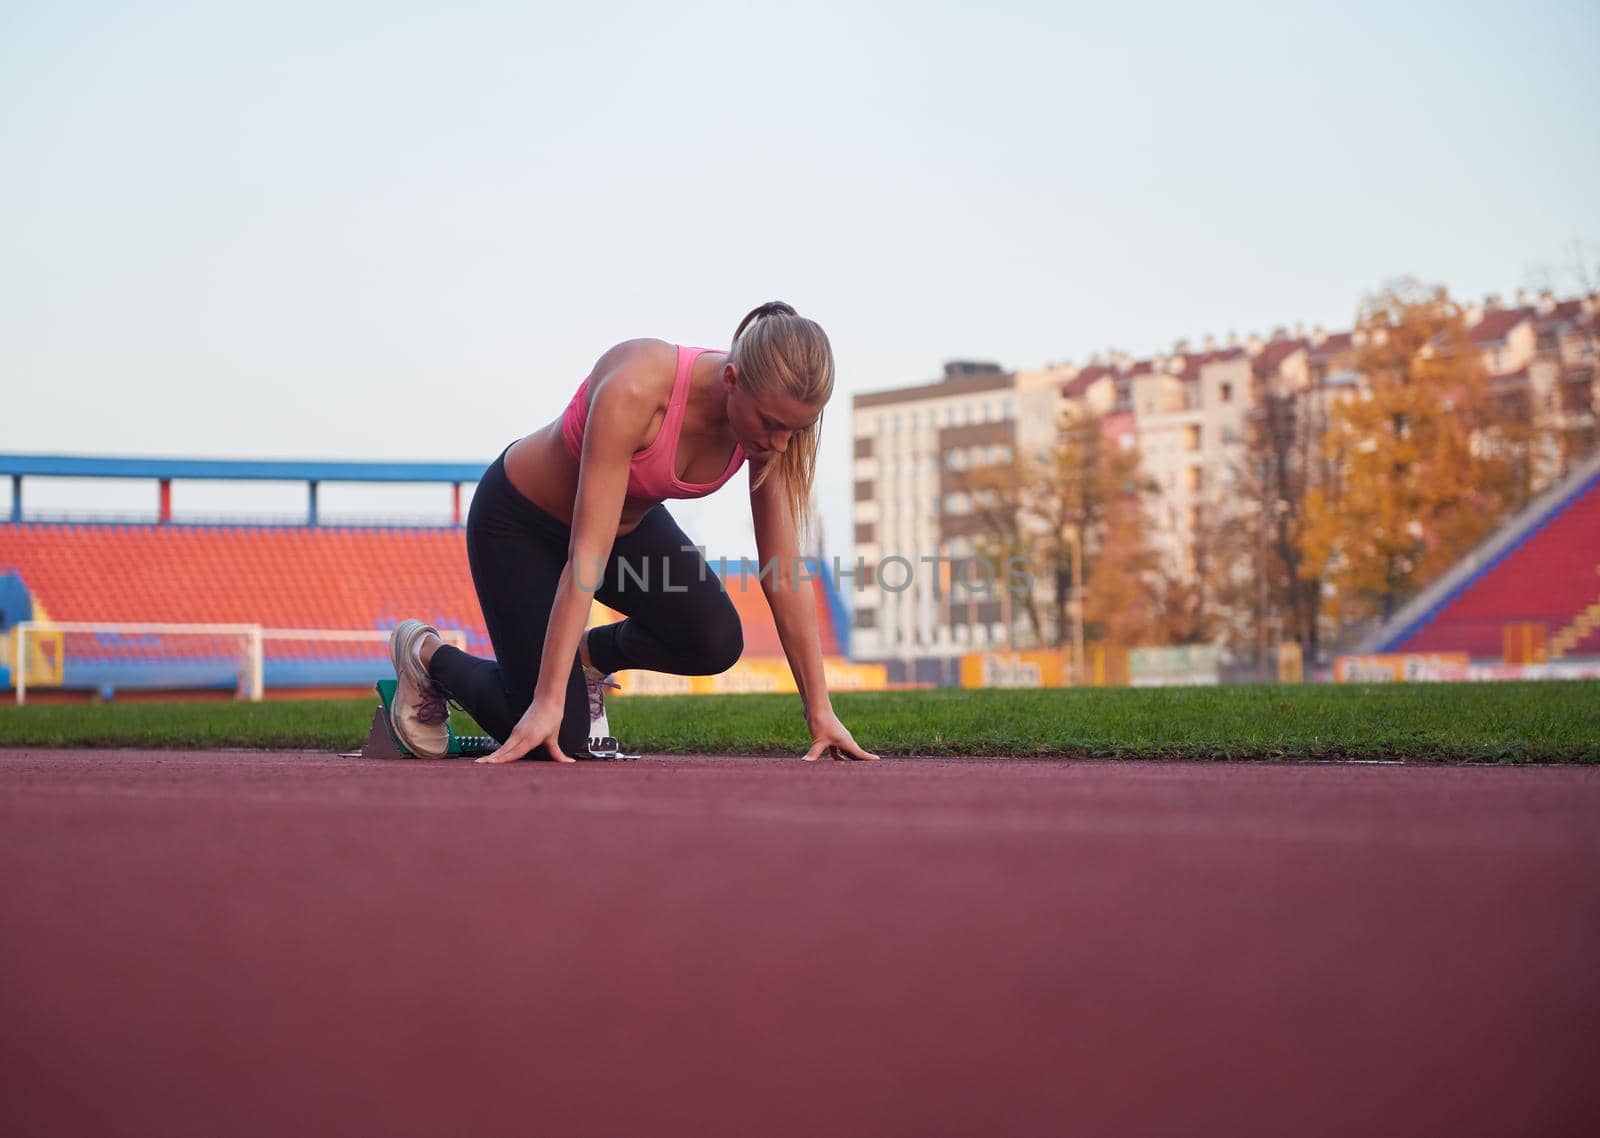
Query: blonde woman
(575, 511)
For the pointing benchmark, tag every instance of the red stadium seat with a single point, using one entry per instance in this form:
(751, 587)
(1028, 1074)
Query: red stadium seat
(1550, 577)
(290, 577)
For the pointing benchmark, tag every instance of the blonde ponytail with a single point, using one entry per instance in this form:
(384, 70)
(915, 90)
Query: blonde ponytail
(777, 349)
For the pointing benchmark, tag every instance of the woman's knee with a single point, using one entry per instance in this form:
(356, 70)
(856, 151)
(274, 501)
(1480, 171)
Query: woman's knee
(717, 641)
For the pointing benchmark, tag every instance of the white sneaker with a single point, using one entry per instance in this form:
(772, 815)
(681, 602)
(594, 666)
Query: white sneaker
(418, 714)
(600, 739)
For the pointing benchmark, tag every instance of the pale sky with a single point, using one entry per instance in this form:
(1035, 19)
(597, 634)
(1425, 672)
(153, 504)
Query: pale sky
(390, 230)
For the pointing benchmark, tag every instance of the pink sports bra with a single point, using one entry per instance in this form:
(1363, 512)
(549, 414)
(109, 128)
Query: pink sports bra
(654, 472)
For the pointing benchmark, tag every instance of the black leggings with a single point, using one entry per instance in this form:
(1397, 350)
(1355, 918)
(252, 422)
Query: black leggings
(680, 619)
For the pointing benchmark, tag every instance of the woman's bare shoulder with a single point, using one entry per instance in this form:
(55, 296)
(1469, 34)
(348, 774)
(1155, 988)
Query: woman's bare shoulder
(640, 367)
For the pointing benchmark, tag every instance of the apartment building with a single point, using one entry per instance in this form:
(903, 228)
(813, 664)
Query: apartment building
(1541, 357)
(1189, 412)
(911, 446)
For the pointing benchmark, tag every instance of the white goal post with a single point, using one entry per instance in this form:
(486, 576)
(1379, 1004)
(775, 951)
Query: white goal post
(211, 654)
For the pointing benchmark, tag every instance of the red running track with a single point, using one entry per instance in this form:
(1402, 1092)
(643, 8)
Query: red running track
(293, 944)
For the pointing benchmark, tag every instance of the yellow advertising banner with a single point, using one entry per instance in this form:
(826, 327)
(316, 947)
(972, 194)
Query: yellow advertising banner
(1021, 669)
(758, 674)
(845, 676)
(652, 683)
(1394, 667)
(747, 676)
(45, 664)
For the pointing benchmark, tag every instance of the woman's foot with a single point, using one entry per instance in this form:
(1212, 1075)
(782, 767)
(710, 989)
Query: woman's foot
(418, 714)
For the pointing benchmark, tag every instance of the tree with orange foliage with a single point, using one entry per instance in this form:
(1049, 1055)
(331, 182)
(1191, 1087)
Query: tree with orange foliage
(1089, 482)
(1422, 463)
(1248, 532)
(998, 497)
(1200, 599)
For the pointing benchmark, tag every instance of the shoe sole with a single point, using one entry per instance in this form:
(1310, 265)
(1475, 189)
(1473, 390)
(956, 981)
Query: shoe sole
(400, 659)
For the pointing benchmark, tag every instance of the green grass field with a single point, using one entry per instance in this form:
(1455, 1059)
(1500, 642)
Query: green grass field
(1504, 722)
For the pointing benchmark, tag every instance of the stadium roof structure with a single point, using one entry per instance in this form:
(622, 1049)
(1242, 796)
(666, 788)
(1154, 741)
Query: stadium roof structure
(227, 469)
(164, 470)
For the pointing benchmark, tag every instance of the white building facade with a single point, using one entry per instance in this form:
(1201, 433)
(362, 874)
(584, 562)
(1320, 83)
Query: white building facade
(1189, 413)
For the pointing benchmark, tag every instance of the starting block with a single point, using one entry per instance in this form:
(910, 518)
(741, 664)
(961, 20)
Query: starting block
(606, 749)
(382, 744)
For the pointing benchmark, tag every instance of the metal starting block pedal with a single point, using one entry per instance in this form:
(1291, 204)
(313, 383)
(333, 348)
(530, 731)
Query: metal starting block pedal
(607, 749)
(382, 744)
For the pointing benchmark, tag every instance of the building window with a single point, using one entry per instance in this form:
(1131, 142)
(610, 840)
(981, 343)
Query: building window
(1227, 393)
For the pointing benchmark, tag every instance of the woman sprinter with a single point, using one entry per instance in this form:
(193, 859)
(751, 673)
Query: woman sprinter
(575, 511)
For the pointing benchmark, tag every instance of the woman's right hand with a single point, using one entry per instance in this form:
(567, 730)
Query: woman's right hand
(540, 724)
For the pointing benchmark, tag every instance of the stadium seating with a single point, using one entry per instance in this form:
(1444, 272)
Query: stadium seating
(761, 634)
(1551, 576)
(295, 577)
(288, 577)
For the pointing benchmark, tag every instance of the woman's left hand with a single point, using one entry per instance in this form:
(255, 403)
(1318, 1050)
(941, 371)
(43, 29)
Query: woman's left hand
(829, 737)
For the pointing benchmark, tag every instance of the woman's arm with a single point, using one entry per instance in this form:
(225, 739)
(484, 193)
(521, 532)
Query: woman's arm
(620, 409)
(794, 611)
